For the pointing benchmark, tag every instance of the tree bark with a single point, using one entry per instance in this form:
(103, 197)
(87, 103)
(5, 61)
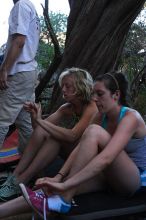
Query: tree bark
(57, 57)
(96, 34)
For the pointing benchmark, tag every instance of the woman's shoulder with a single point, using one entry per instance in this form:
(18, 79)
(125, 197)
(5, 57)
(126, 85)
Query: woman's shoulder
(89, 109)
(134, 116)
(66, 107)
(132, 111)
(90, 105)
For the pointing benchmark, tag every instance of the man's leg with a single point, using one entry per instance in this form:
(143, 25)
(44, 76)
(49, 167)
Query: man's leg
(23, 120)
(3, 133)
(9, 109)
(12, 100)
(24, 130)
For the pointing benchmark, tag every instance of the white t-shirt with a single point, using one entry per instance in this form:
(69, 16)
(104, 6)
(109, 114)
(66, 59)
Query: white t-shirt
(24, 20)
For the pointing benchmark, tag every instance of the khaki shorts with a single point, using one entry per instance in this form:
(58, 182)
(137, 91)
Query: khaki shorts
(21, 88)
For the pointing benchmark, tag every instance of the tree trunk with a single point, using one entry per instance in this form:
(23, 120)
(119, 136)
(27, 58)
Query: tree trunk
(96, 34)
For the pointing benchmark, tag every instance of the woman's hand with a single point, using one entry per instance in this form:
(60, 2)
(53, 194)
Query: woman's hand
(50, 185)
(34, 109)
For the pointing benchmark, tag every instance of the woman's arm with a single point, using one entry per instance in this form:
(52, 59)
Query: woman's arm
(126, 129)
(35, 112)
(63, 172)
(67, 165)
(65, 134)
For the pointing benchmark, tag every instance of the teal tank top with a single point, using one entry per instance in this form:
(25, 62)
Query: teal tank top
(136, 147)
(121, 115)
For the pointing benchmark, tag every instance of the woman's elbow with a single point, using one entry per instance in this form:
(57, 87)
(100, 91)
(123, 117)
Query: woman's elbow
(72, 138)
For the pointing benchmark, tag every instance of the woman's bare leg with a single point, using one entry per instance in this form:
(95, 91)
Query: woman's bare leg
(14, 207)
(87, 150)
(37, 139)
(122, 174)
(47, 153)
(89, 147)
(94, 139)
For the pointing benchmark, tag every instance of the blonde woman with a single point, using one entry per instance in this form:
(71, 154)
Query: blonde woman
(56, 135)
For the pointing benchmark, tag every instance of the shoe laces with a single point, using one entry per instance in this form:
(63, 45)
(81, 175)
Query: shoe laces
(4, 176)
(44, 209)
(9, 187)
(40, 195)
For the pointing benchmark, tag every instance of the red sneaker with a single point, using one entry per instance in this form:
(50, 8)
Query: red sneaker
(37, 200)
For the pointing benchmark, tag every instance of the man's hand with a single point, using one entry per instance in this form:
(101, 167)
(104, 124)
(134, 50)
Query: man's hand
(16, 44)
(3, 79)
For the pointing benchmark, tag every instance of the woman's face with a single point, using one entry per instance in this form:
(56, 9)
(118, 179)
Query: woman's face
(103, 97)
(68, 88)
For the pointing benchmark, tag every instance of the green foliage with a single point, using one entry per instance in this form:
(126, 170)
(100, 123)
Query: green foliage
(46, 49)
(58, 21)
(133, 60)
(140, 103)
(45, 55)
(133, 53)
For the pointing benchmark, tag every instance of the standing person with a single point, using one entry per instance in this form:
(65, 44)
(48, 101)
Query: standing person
(18, 75)
(56, 135)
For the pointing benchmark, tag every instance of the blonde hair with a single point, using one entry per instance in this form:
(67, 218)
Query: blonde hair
(83, 82)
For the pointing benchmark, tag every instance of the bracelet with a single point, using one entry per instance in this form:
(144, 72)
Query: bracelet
(61, 174)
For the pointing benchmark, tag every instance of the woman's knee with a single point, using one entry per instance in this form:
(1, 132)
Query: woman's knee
(95, 133)
(41, 132)
(92, 130)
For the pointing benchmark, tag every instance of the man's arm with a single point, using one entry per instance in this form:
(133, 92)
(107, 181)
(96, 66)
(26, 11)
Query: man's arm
(16, 44)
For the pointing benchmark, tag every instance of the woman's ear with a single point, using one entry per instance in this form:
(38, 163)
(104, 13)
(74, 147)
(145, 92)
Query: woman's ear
(116, 95)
